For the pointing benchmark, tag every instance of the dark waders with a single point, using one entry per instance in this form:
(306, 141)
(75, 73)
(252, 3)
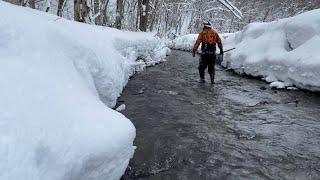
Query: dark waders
(207, 60)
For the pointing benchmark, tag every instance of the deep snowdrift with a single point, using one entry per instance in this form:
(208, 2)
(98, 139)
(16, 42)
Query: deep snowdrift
(286, 51)
(54, 74)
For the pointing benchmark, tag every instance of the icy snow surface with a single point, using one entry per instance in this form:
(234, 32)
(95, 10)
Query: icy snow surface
(286, 50)
(54, 75)
(278, 85)
(121, 107)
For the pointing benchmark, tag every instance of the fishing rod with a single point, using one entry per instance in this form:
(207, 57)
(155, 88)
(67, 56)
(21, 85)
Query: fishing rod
(229, 50)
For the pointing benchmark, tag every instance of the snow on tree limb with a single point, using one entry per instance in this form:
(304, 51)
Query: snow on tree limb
(236, 12)
(96, 15)
(213, 9)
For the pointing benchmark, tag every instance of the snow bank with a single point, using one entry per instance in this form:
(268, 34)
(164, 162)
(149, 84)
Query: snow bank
(286, 50)
(184, 43)
(187, 42)
(53, 75)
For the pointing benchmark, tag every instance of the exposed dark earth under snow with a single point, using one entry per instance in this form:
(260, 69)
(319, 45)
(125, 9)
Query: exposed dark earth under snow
(238, 128)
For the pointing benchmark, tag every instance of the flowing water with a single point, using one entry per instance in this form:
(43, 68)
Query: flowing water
(238, 128)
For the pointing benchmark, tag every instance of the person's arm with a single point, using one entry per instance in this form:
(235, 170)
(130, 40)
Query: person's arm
(196, 45)
(218, 41)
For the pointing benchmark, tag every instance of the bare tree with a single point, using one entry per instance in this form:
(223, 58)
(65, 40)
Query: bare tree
(100, 12)
(82, 11)
(32, 4)
(60, 4)
(119, 14)
(172, 16)
(47, 5)
(144, 14)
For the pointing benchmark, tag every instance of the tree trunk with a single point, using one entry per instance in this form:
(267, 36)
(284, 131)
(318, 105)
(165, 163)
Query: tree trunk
(81, 11)
(119, 15)
(60, 4)
(104, 12)
(154, 15)
(144, 11)
(77, 10)
(97, 5)
(138, 14)
(32, 4)
(48, 4)
(86, 11)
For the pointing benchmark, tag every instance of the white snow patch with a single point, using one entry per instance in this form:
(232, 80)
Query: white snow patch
(168, 51)
(184, 43)
(292, 88)
(278, 85)
(121, 107)
(270, 79)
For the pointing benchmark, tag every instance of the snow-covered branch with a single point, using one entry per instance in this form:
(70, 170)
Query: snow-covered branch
(232, 8)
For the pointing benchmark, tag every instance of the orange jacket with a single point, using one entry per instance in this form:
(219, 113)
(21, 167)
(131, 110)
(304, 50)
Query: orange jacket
(208, 36)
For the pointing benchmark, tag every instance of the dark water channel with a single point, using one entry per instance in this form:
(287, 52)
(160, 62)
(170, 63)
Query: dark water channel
(235, 129)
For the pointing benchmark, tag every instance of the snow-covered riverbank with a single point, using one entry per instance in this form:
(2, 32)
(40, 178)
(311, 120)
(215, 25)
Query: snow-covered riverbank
(285, 52)
(57, 76)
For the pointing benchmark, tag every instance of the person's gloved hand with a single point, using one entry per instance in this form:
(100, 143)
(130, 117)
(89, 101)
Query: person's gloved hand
(193, 54)
(221, 51)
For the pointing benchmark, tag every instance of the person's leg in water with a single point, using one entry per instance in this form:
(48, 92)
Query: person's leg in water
(202, 67)
(211, 64)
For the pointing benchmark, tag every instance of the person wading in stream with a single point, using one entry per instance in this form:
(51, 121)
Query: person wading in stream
(208, 39)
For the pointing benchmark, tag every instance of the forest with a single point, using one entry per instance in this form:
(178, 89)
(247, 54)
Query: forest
(175, 16)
